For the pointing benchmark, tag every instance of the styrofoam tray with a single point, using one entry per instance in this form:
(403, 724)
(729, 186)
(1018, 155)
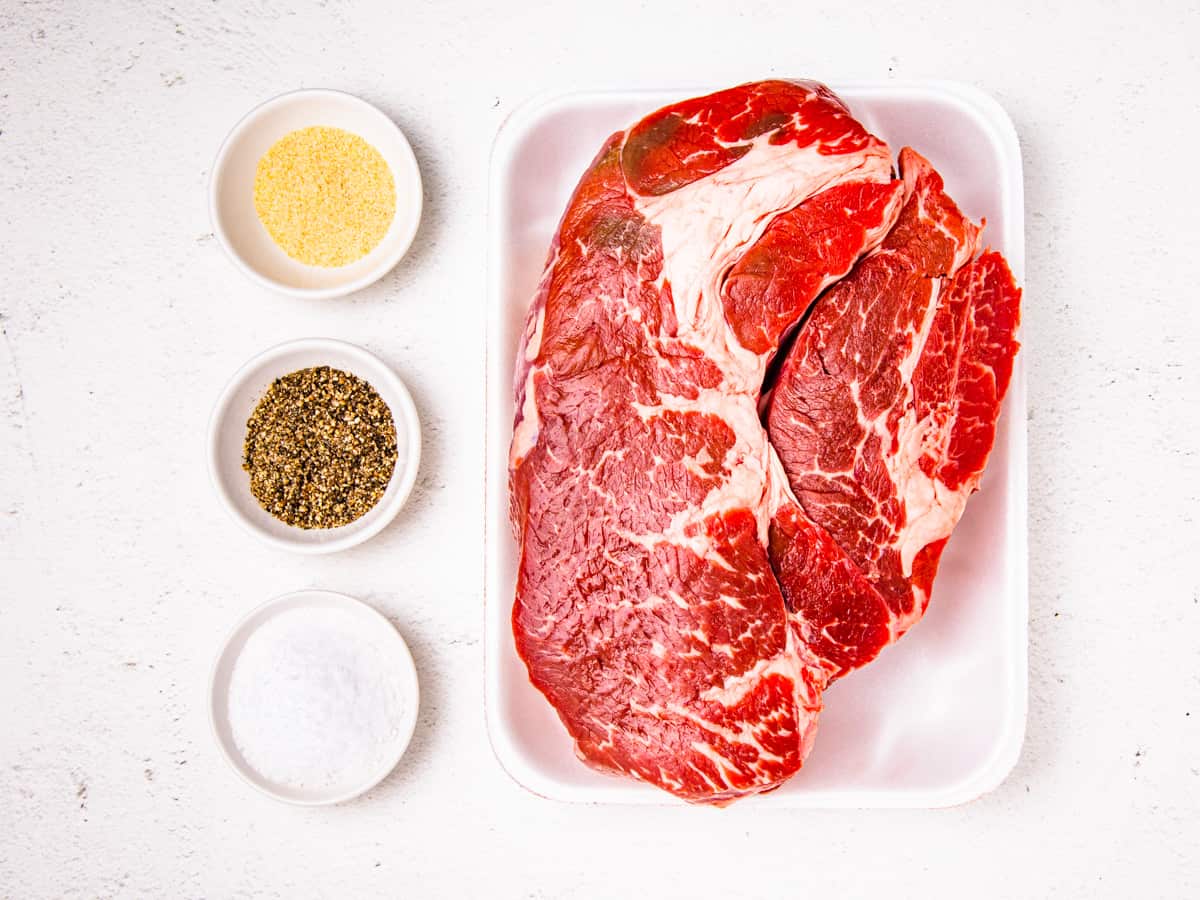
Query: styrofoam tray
(939, 718)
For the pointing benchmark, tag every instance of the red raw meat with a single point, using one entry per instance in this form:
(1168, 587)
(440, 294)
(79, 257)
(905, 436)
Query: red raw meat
(675, 603)
(885, 410)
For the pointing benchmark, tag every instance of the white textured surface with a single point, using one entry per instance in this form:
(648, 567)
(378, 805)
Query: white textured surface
(119, 573)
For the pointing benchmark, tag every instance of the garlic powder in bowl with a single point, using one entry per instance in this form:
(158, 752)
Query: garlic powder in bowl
(325, 195)
(314, 698)
(315, 194)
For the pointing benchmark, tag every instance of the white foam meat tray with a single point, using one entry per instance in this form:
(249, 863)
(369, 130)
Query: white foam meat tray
(938, 719)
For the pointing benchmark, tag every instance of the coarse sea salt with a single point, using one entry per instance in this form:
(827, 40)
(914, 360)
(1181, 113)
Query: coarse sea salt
(314, 700)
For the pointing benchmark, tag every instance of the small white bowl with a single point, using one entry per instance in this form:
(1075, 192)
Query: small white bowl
(227, 436)
(362, 616)
(231, 192)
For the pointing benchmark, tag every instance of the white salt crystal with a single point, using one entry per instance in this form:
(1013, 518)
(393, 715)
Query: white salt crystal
(314, 700)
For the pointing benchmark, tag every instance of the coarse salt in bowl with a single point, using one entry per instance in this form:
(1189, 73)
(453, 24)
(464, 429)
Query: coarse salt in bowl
(231, 192)
(313, 698)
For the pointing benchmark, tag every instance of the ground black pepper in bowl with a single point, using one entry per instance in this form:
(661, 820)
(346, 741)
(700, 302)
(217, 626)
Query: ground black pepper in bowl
(320, 448)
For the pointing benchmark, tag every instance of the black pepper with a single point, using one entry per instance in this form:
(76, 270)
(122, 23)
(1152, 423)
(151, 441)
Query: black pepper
(320, 448)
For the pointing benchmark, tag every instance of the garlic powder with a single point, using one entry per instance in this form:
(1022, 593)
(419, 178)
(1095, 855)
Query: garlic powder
(325, 195)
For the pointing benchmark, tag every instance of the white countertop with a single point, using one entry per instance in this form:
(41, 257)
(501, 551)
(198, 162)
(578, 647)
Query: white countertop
(120, 574)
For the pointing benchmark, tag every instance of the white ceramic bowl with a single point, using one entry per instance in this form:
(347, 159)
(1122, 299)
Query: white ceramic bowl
(227, 435)
(361, 617)
(231, 192)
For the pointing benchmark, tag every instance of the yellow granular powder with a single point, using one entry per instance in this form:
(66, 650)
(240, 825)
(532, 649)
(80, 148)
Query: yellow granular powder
(324, 195)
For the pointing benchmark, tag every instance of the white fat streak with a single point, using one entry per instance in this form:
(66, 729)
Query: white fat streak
(609, 728)
(534, 345)
(708, 224)
(649, 603)
(780, 489)
(674, 597)
(928, 518)
(931, 508)
(744, 734)
(665, 778)
(724, 766)
(718, 788)
(902, 623)
(756, 481)
(748, 462)
(966, 249)
(790, 664)
(908, 365)
(736, 687)
(526, 431)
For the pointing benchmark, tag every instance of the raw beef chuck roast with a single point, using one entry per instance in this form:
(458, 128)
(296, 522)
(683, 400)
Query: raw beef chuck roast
(689, 580)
